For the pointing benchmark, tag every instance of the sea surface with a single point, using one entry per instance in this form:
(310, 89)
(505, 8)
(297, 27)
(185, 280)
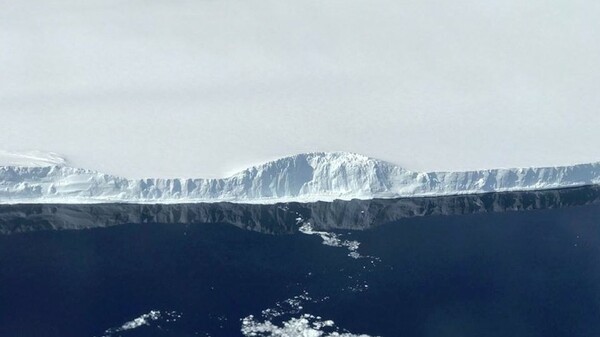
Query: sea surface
(503, 264)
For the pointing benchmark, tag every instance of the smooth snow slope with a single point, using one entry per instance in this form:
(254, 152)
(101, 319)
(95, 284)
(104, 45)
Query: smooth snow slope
(131, 87)
(30, 158)
(304, 177)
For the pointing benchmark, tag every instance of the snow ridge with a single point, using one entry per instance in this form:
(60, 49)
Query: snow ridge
(30, 158)
(46, 178)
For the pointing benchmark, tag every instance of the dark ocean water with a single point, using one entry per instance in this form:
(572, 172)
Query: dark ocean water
(496, 273)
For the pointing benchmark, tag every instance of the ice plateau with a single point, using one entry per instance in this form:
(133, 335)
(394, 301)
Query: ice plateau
(36, 177)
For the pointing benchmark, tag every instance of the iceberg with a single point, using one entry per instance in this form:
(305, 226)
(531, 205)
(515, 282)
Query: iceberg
(37, 177)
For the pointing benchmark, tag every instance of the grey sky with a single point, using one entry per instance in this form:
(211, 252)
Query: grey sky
(199, 88)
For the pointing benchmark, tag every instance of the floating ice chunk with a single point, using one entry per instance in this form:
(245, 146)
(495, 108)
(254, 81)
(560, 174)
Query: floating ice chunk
(306, 325)
(332, 239)
(144, 320)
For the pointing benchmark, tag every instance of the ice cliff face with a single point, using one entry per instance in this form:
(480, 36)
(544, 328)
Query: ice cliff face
(287, 218)
(303, 177)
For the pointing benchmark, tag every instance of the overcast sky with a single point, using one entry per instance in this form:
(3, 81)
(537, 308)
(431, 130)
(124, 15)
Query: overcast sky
(200, 88)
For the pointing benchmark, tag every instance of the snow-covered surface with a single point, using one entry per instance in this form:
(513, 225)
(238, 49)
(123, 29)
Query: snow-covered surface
(31, 159)
(131, 87)
(304, 177)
